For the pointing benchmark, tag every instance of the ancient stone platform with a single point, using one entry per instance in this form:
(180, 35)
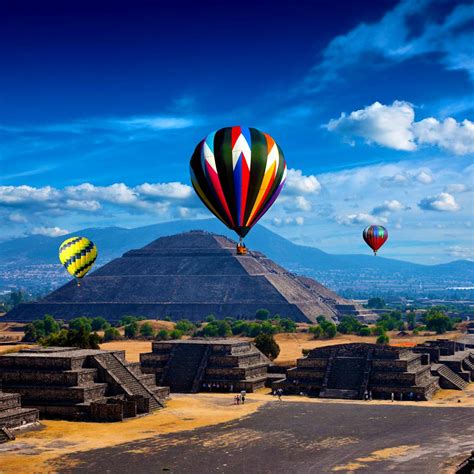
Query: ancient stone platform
(79, 384)
(189, 275)
(352, 370)
(222, 365)
(13, 416)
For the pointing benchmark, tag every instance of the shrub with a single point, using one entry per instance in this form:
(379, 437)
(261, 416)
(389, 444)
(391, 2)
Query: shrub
(383, 339)
(111, 334)
(349, 325)
(266, 344)
(184, 326)
(131, 330)
(321, 319)
(376, 303)
(364, 331)
(79, 323)
(288, 325)
(210, 318)
(330, 330)
(437, 321)
(50, 325)
(162, 335)
(262, 314)
(98, 323)
(176, 334)
(146, 330)
(317, 331)
(31, 335)
(167, 318)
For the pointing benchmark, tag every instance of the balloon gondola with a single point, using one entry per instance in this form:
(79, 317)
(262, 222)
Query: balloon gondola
(238, 173)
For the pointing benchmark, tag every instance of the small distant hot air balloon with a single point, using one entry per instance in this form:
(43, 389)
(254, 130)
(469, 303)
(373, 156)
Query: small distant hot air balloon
(375, 236)
(77, 254)
(238, 173)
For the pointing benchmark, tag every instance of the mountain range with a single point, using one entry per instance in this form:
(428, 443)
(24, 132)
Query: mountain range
(32, 261)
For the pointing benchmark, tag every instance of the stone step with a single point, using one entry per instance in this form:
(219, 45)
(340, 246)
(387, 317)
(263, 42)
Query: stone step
(446, 373)
(6, 435)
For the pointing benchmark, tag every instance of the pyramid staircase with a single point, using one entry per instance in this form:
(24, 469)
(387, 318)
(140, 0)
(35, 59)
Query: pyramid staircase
(6, 435)
(128, 381)
(185, 365)
(448, 378)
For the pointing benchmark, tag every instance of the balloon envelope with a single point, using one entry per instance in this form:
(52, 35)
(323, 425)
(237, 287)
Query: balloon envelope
(77, 254)
(375, 236)
(238, 173)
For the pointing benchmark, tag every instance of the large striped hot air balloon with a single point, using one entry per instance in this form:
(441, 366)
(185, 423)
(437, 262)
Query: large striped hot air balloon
(238, 173)
(375, 236)
(77, 254)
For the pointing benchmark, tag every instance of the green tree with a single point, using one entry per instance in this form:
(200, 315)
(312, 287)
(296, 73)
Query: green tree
(146, 330)
(131, 330)
(98, 323)
(364, 331)
(383, 339)
(79, 323)
(317, 331)
(436, 320)
(262, 314)
(111, 334)
(30, 333)
(162, 335)
(176, 334)
(184, 326)
(210, 318)
(321, 319)
(50, 325)
(287, 325)
(330, 330)
(376, 303)
(266, 344)
(349, 325)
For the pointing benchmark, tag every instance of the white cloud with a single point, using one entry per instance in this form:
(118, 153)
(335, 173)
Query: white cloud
(393, 39)
(389, 126)
(393, 126)
(387, 207)
(297, 183)
(455, 188)
(287, 221)
(173, 190)
(443, 202)
(456, 137)
(13, 195)
(49, 231)
(17, 218)
(424, 177)
(360, 218)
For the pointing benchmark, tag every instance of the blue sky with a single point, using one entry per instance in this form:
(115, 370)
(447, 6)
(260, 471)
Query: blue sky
(102, 105)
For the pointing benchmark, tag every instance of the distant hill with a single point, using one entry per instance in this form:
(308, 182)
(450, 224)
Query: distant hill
(32, 260)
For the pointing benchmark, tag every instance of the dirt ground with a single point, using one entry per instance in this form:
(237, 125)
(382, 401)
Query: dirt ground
(262, 433)
(132, 349)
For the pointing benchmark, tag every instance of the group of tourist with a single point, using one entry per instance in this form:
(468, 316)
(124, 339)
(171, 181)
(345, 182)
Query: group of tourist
(240, 398)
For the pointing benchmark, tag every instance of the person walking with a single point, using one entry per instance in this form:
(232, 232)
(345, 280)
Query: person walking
(243, 393)
(279, 393)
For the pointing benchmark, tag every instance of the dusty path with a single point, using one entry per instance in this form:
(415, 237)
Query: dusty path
(299, 437)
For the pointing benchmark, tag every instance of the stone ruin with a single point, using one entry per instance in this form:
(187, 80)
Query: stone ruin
(80, 384)
(353, 370)
(194, 365)
(193, 274)
(13, 417)
(451, 361)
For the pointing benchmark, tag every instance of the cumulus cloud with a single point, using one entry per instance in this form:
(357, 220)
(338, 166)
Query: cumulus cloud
(297, 183)
(443, 202)
(386, 125)
(174, 190)
(387, 207)
(360, 218)
(424, 177)
(459, 251)
(17, 218)
(49, 231)
(394, 126)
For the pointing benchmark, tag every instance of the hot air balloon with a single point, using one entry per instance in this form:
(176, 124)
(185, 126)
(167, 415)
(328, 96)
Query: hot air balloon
(238, 173)
(375, 236)
(77, 254)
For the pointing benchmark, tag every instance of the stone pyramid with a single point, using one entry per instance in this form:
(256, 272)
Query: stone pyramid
(189, 275)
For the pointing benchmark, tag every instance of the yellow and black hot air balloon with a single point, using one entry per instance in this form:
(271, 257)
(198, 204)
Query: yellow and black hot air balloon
(78, 255)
